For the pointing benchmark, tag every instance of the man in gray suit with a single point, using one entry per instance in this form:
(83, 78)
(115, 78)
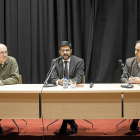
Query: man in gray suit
(133, 67)
(75, 68)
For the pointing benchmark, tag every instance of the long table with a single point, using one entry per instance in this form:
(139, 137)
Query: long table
(103, 101)
(132, 103)
(20, 101)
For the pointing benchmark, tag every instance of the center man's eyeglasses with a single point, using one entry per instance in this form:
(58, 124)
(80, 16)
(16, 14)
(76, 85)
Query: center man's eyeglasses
(67, 50)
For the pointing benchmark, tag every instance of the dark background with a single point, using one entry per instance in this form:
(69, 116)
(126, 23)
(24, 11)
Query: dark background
(101, 32)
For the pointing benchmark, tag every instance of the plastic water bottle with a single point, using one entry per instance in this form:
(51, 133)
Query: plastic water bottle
(65, 83)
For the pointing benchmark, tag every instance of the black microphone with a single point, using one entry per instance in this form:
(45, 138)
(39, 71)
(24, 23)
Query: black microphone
(57, 59)
(120, 61)
(126, 75)
(91, 84)
(124, 69)
(50, 72)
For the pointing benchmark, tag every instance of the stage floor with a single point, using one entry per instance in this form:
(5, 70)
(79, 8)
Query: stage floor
(102, 129)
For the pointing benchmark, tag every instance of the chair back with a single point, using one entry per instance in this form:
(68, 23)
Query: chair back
(83, 79)
(20, 79)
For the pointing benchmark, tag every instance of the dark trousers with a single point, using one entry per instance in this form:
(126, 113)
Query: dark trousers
(64, 124)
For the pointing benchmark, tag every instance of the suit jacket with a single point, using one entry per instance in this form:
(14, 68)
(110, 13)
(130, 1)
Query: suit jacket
(132, 67)
(76, 70)
(9, 72)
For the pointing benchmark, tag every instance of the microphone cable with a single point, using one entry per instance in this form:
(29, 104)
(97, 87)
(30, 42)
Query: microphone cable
(48, 73)
(41, 110)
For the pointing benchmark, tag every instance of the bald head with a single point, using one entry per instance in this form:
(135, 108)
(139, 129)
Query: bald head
(3, 53)
(2, 45)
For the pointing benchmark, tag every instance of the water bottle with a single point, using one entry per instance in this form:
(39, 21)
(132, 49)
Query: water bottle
(65, 83)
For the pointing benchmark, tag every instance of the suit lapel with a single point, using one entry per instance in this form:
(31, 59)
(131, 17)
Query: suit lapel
(135, 68)
(72, 65)
(61, 68)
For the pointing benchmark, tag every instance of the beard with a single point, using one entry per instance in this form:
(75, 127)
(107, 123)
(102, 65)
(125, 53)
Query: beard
(66, 57)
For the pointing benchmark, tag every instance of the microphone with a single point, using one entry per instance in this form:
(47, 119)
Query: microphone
(126, 75)
(91, 84)
(120, 61)
(50, 72)
(57, 59)
(125, 70)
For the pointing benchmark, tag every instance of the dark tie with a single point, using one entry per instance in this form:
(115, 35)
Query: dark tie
(66, 69)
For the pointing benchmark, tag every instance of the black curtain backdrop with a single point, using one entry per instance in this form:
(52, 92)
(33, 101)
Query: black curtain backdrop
(101, 32)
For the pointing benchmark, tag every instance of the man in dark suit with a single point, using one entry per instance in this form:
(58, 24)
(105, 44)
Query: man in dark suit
(133, 67)
(75, 67)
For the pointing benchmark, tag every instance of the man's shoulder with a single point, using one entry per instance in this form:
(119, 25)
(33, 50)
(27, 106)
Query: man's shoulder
(76, 58)
(130, 60)
(11, 59)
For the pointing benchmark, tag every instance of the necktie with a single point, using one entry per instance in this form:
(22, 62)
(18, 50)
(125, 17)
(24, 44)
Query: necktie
(66, 69)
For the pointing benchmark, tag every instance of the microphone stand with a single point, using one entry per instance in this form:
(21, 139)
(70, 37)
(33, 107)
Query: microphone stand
(129, 85)
(48, 76)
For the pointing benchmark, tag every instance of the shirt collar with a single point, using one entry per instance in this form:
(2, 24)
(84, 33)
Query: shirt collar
(66, 60)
